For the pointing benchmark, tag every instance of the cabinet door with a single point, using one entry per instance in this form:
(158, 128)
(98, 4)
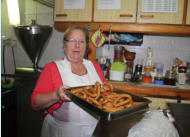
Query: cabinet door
(126, 13)
(82, 14)
(161, 17)
(188, 13)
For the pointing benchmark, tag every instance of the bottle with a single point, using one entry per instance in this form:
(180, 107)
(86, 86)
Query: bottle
(107, 68)
(149, 57)
(118, 53)
(137, 76)
(129, 71)
(147, 78)
(159, 79)
(181, 77)
(153, 72)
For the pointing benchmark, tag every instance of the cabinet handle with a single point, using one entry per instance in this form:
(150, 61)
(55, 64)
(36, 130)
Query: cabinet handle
(126, 15)
(146, 16)
(61, 15)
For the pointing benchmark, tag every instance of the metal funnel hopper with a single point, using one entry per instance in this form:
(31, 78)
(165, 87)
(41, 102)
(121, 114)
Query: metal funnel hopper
(33, 39)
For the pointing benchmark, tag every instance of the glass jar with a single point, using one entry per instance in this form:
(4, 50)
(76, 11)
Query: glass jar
(159, 79)
(147, 78)
(169, 78)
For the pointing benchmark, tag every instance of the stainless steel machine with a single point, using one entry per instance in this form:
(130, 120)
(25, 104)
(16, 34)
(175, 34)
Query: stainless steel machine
(33, 39)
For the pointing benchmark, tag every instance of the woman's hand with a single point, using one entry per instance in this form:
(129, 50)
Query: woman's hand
(45, 100)
(60, 93)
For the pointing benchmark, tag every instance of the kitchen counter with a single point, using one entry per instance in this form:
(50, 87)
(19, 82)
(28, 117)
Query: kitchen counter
(153, 90)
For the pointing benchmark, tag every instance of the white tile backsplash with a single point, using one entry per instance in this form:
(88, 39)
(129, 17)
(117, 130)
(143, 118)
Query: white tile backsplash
(165, 49)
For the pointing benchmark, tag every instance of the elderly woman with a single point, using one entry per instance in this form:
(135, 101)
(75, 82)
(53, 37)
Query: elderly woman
(62, 117)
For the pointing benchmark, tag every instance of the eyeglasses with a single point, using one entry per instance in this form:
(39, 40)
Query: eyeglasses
(74, 42)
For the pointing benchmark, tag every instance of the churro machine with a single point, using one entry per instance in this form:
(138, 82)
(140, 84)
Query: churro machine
(33, 39)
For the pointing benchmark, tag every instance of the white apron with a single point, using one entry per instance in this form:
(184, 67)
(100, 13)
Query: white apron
(70, 120)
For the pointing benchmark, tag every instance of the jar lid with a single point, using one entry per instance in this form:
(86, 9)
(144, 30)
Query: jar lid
(160, 69)
(148, 68)
(170, 74)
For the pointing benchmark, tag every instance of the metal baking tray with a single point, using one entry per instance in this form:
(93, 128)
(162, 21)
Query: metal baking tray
(99, 113)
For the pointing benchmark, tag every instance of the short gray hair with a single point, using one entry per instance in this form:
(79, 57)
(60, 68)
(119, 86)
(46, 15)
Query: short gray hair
(70, 29)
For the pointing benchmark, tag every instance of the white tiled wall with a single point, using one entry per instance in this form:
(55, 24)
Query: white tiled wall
(166, 48)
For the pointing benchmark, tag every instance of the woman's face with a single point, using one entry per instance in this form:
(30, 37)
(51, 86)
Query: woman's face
(75, 45)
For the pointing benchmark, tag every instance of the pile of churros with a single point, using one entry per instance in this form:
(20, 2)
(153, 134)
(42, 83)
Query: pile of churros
(104, 97)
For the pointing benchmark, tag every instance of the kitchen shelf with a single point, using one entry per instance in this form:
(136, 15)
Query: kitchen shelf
(164, 29)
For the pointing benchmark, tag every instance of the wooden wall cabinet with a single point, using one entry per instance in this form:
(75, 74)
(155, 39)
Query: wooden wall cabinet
(125, 19)
(130, 12)
(159, 17)
(126, 13)
(188, 13)
(76, 15)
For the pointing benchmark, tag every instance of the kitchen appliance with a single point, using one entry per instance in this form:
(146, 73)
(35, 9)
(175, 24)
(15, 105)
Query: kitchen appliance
(33, 39)
(116, 75)
(118, 67)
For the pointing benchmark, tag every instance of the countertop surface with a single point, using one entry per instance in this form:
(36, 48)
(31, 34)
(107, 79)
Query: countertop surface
(177, 86)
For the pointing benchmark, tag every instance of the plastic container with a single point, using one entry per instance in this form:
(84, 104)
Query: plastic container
(116, 75)
(117, 71)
